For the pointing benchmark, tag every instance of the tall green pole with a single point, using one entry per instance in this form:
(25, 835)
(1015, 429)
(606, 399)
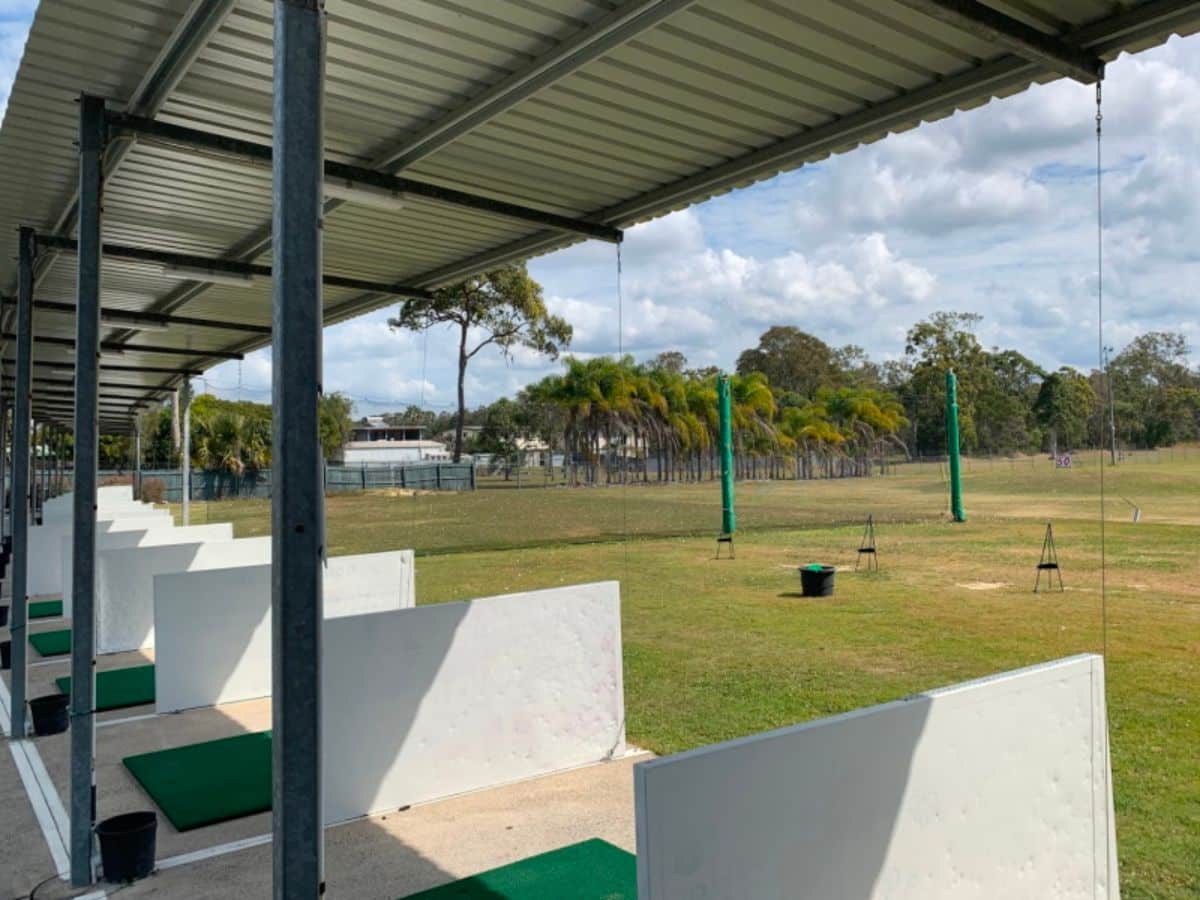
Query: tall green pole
(956, 494)
(725, 407)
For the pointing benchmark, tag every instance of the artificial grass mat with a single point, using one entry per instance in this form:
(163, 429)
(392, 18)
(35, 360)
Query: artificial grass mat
(590, 870)
(118, 688)
(52, 643)
(45, 609)
(202, 784)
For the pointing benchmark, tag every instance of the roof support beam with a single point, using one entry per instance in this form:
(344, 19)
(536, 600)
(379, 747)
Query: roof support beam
(130, 319)
(114, 347)
(357, 176)
(618, 27)
(114, 367)
(1144, 21)
(1025, 41)
(65, 383)
(186, 42)
(205, 264)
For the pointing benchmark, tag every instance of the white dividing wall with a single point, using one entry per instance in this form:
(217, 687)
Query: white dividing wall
(231, 607)
(438, 700)
(45, 544)
(152, 537)
(125, 581)
(993, 788)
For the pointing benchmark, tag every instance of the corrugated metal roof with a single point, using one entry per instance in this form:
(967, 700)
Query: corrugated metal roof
(614, 112)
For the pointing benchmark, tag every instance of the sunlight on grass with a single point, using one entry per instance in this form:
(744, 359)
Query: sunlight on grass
(715, 650)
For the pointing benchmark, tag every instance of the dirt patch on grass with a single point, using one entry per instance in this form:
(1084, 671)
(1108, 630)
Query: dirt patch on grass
(984, 585)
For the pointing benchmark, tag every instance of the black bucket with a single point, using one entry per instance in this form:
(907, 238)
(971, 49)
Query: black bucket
(3, 616)
(50, 714)
(817, 581)
(5, 655)
(127, 844)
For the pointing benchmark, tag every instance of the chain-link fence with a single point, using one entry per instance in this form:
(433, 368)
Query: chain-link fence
(165, 485)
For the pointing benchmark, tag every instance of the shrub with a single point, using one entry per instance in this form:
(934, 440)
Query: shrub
(153, 490)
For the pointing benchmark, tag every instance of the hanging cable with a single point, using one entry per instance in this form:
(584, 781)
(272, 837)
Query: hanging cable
(1107, 769)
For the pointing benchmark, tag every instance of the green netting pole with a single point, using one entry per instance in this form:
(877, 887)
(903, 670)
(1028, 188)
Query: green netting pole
(956, 495)
(725, 407)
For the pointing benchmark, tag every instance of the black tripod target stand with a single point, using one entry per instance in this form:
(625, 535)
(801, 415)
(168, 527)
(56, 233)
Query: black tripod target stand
(1048, 563)
(866, 547)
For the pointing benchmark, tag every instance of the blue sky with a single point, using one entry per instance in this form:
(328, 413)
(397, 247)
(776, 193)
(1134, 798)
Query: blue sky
(991, 211)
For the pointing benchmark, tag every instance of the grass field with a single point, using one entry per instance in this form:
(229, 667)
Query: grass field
(719, 649)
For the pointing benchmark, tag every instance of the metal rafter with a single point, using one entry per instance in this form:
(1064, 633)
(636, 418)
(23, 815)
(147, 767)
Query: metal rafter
(131, 319)
(357, 176)
(114, 367)
(217, 266)
(998, 76)
(115, 347)
(620, 26)
(995, 27)
(64, 383)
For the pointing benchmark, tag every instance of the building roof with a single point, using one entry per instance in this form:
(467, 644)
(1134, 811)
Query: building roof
(559, 118)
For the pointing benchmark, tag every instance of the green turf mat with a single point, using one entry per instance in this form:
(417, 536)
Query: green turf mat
(45, 609)
(118, 688)
(202, 784)
(52, 643)
(591, 870)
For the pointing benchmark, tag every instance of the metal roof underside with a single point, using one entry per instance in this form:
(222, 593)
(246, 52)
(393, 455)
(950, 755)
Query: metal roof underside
(598, 110)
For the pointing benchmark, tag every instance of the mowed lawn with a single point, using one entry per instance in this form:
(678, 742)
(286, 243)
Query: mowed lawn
(718, 649)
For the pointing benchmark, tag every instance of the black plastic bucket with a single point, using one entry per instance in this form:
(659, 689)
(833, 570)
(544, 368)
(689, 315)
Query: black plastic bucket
(817, 581)
(127, 845)
(3, 616)
(49, 714)
(5, 655)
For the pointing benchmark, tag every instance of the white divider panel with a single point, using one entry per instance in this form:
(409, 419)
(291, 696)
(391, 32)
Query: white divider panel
(151, 537)
(230, 609)
(993, 788)
(125, 581)
(443, 699)
(45, 544)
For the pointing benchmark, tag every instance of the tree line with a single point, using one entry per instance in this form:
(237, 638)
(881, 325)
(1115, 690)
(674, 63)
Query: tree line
(804, 408)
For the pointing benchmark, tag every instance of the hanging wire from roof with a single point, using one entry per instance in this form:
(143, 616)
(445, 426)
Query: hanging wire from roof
(1107, 767)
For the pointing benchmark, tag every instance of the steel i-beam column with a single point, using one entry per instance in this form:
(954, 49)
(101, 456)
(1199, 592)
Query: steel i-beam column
(87, 451)
(297, 498)
(20, 478)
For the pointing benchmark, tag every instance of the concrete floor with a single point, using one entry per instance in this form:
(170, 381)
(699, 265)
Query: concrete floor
(385, 856)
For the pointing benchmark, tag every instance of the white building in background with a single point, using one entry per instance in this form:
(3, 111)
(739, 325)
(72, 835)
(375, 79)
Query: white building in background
(379, 442)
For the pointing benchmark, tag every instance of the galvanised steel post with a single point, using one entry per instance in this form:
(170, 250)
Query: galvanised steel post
(725, 419)
(20, 478)
(35, 476)
(87, 451)
(3, 471)
(62, 461)
(952, 449)
(185, 462)
(297, 498)
(137, 459)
